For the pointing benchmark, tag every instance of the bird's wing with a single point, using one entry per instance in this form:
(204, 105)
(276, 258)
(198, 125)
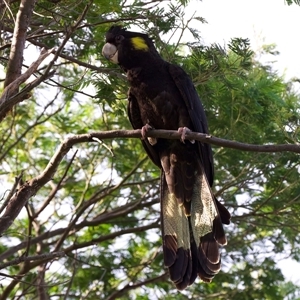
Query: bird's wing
(197, 115)
(198, 118)
(136, 122)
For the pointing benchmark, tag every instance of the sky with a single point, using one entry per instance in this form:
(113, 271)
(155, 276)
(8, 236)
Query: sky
(263, 22)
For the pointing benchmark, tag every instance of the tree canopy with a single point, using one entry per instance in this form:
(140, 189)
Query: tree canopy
(79, 198)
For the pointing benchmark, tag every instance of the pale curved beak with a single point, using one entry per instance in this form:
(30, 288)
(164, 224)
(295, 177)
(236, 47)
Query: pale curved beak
(110, 52)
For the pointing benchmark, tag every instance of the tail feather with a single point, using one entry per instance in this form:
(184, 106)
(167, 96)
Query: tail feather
(209, 258)
(218, 231)
(194, 252)
(170, 249)
(179, 267)
(223, 212)
(176, 238)
(209, 248)
(203, 275)
(207, 228)
(185, 279)
(190, 240)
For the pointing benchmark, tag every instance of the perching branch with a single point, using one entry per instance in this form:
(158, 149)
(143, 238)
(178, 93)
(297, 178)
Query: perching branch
(202, 137)
(31, 187)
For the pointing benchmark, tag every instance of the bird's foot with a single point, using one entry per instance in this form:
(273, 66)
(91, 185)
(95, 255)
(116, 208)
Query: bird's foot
(183, 131)
(145, 129)
(152, 141)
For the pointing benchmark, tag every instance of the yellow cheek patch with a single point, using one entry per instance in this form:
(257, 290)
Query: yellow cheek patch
(139, 43)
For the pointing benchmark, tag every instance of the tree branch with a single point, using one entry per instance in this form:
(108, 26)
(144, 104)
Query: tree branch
(26, 267)
(30, 188)
(31, 258)
(129, 287)
(18, 41)
(18, 179)
(10, 95)
(202, 137)
(110, 236)
(106, 216)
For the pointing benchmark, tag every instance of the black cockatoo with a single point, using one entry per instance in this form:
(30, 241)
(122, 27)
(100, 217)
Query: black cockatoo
(162, 96)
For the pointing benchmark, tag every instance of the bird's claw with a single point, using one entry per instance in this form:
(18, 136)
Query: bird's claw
(183, 131)
(145, 129)
(152, 141)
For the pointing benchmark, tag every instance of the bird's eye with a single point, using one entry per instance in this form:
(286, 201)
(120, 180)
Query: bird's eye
(119, 38)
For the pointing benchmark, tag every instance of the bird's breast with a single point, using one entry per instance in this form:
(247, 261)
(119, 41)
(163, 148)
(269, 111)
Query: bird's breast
(158, 111)
(159, 100)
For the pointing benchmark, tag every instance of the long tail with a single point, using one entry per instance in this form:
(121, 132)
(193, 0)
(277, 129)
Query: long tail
(191, 239)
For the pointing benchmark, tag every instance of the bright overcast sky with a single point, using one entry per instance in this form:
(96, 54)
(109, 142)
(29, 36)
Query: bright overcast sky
(263, 21)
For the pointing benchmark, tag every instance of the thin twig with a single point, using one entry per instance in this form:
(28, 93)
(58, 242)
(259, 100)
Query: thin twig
(53, 193)
(31, 258)
(129, 287)
(9, 96)
(18, 179)
(88, 203)
(104, 217)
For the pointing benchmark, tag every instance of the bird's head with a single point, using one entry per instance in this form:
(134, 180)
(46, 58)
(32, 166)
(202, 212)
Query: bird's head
(128, 49)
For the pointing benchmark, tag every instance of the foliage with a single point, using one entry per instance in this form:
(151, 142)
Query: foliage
(100, 211)
(290, 2)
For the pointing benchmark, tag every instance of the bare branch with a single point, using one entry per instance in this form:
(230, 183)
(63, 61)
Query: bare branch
(18, 42)
(173, 135)
(202, 137)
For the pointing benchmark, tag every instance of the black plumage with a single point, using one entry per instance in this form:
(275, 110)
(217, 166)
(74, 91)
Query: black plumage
(162, 96)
